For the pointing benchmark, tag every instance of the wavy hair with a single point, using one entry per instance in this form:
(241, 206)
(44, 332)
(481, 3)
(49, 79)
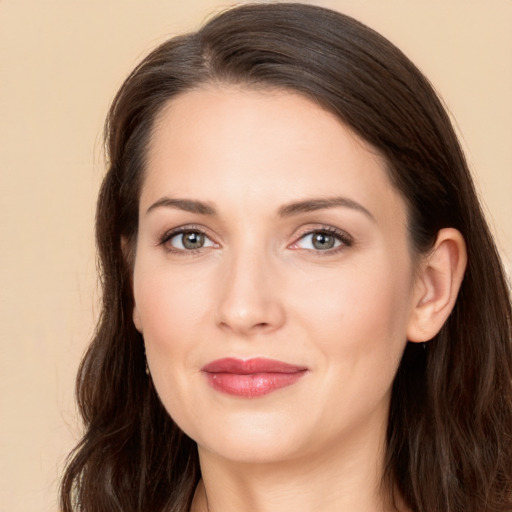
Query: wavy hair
(449, 443)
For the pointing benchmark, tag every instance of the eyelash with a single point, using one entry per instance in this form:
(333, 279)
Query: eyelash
(169, 235)
(341, 236)
(344, 238)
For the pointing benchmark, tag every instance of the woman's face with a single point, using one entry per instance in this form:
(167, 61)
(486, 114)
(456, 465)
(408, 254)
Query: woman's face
(273, 280)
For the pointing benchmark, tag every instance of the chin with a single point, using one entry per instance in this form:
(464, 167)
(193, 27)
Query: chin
(252, 438)
(253, 449)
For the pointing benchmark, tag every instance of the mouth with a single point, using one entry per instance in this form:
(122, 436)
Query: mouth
(251, 378)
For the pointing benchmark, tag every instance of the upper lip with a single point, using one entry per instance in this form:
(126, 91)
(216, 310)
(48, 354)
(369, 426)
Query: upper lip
(250, 366)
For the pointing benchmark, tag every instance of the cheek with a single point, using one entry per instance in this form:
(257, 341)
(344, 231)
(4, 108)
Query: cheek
(170, 305)
(357, 312)
(357, 323)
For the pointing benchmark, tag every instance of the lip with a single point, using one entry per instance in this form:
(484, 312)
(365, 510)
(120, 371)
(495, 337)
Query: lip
(252, 377)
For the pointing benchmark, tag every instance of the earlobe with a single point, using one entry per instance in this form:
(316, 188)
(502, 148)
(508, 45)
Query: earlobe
(127, 250)
(136, 319)
(437, 285)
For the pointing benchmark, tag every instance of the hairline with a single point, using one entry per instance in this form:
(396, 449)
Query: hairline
(219, 83)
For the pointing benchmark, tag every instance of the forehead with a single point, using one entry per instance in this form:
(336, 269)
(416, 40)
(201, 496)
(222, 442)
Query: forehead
(248, 145)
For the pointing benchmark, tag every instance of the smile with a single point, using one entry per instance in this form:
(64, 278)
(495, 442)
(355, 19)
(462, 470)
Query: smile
(251, 378)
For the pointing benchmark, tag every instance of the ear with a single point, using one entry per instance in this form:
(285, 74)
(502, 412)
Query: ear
(127, 250)
(136, 318)
(437, 285)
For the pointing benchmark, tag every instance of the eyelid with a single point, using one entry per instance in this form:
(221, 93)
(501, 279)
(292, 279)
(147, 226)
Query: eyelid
(345, 238)
(188, 228)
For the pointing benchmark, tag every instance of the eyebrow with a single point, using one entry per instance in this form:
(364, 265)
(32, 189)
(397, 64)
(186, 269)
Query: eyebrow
(187, 205)
(311, 205)
(288, 210)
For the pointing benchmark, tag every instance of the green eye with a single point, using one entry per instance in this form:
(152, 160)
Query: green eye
(322, 241)
(189, 241)
(192, 240)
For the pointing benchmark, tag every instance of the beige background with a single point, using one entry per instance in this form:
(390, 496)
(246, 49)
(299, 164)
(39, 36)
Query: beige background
(60, 65)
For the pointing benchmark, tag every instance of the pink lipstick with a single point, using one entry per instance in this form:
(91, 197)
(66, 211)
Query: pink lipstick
(251, 378)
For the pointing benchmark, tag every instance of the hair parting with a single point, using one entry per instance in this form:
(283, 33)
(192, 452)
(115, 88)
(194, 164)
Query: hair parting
(449, 446)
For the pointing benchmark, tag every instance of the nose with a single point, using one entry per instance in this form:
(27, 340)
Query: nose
(250, 296)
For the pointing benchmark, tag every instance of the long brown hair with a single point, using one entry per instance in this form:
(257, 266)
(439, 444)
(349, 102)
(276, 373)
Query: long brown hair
(449, 435)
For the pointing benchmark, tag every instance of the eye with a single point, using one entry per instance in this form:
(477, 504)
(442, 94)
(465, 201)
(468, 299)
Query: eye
(323, 240)
(187, 240)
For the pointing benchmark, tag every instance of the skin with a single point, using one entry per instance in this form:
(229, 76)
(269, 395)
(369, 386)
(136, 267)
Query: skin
(258, 287)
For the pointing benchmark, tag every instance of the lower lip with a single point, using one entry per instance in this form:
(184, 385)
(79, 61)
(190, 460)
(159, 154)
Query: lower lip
(252, 385)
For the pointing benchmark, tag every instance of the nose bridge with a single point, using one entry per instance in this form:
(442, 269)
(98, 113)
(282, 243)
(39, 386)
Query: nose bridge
(249, 298)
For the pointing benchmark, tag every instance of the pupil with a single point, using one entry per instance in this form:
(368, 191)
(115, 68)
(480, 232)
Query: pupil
(323, 241)
(193, 240)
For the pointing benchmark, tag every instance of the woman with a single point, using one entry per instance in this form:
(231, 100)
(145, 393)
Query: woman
(303, 307)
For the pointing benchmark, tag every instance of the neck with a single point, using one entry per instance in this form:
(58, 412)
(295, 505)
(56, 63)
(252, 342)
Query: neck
(345, 478)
